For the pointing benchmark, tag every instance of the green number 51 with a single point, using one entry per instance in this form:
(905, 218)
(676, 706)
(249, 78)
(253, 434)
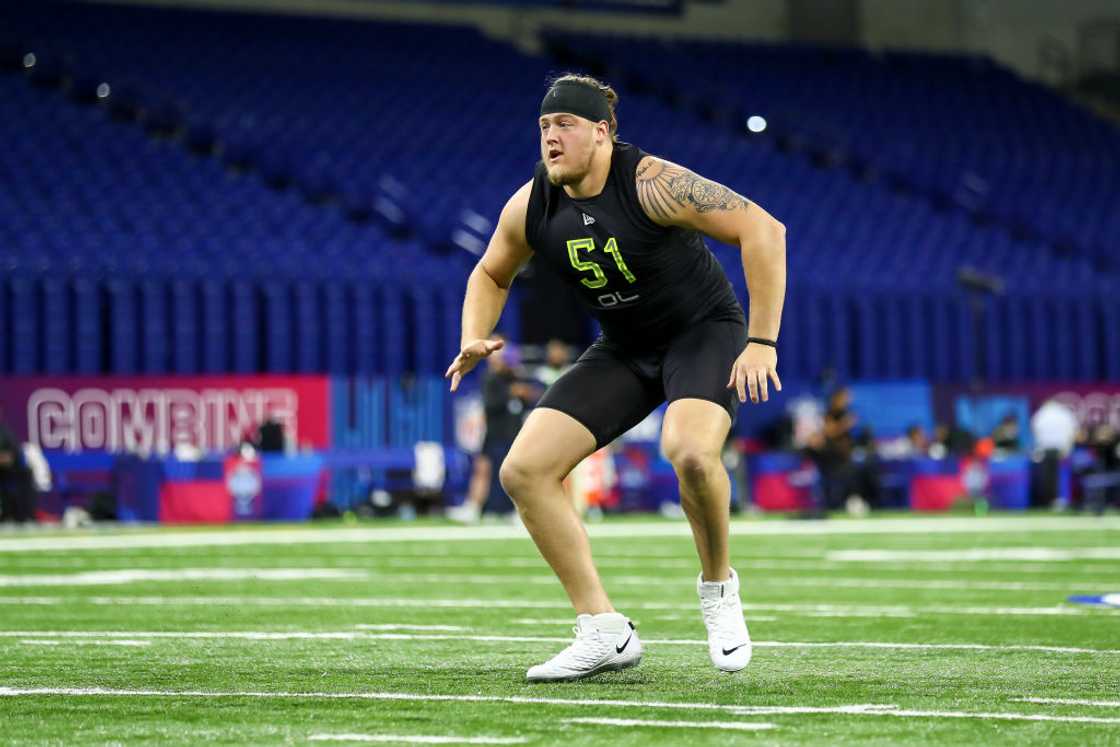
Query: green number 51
(599, 278)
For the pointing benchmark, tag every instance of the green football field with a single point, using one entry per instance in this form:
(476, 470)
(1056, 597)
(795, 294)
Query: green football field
(884, 631)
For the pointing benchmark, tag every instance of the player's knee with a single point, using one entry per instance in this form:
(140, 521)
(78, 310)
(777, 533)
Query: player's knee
(691, 463)
(516, 477)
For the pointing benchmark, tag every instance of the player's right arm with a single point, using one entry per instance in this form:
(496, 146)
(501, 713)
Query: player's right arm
(488, 285)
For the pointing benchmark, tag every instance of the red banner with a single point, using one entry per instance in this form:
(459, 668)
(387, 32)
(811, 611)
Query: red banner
(156, 414)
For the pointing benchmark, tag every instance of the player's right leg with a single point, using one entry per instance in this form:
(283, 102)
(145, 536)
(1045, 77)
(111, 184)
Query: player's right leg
(549, 445)
(584, 409)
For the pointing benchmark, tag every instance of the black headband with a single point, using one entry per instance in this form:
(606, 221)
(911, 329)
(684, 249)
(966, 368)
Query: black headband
(570, 97)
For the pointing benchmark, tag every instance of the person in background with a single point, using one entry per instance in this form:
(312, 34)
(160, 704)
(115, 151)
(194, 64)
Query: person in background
(506, 397)
(1005, 437)
(1054, 428)
(1104, 442)
(17, 489)
(557, 360)
(270, 436)
(917, 441)
(835, 461)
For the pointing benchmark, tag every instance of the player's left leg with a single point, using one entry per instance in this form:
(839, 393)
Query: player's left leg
(692, 438)
(696, 425)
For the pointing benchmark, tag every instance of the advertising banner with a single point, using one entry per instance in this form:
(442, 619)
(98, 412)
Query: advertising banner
(155, 414)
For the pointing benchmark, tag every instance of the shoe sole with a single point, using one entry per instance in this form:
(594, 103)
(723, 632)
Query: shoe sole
(731, 671)
(613, 666)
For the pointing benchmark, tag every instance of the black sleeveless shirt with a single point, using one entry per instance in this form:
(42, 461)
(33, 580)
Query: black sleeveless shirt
(645, 283)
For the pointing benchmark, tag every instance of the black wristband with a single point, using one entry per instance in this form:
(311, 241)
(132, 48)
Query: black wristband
(763, 341)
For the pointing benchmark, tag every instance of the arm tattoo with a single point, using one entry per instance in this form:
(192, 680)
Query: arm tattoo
(664, 191)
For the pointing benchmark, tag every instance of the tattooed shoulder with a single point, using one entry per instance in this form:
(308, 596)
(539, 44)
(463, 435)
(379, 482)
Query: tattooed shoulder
(664, 189)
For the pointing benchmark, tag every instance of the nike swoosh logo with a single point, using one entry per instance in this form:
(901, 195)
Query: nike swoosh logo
(620, 649)
(729, 651)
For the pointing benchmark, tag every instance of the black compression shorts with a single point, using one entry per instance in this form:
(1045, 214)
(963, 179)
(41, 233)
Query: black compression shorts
(610, 390)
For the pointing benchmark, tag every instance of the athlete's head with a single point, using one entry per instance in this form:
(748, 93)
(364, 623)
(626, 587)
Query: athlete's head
(577, 120)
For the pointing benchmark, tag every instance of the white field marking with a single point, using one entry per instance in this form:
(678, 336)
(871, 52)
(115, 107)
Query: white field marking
(876, 583)
(469, 579)
(116, 577)
(859, 610)
(411, 697)
(722, 725)
(403, 626)
(543, 621)
(901, 713)
(930, 646)
(662, 618)
(121, 642)
(414, 739)
(245, 635)
(112, 578)
(252, 635)
(914, 713)
(810, 610)
(854, 613)
(854, 710)
(287, 536)
(1034, 554)
(801, 581)
(1070, 701)
(745, 565)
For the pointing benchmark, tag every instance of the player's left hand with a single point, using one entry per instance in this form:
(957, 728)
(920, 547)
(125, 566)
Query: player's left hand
(751, 369)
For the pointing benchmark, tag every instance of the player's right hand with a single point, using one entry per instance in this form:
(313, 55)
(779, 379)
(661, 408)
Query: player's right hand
(468, 358)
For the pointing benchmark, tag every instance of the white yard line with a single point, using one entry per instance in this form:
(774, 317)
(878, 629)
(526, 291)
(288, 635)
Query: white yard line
(1070, 701)
(851, 710)
(118, 577)
(646, 723)
(121, 577)
(809, 610)
(568, 621)
(745, 565)
(390, 602)
(929, 525)
(360, 635)
(405, 626)
(883, 583)
(971, 555)
(414, 739)
(121, 642)
(897, 712)
(902, 713)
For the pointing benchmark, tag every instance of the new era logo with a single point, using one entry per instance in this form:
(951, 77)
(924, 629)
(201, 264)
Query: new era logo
(587, 219)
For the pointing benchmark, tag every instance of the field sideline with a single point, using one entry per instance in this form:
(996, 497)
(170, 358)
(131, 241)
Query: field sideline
(903, 629)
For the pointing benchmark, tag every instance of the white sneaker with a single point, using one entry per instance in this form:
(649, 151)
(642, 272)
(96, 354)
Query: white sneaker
(604, 642)
(464, 513)
(729, 643)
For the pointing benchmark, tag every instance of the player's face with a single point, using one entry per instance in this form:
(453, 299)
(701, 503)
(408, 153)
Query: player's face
(567, 144)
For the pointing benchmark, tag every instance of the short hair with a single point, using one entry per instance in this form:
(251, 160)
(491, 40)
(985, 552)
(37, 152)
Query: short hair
(608, 93)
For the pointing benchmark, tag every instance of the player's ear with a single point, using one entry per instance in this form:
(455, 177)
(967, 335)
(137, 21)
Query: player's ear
(602, 131)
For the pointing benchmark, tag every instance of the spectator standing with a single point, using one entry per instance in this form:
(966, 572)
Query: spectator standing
(506, 397)
(17, 488)
(1054, 428)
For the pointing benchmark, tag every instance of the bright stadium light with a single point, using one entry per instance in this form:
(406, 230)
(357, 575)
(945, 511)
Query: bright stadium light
(756, 123)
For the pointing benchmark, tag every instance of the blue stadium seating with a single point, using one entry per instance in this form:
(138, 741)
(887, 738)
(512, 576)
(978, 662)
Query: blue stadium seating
(960, 128)
(266, 193)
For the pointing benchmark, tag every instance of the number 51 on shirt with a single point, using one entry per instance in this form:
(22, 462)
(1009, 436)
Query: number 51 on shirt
(599, 278)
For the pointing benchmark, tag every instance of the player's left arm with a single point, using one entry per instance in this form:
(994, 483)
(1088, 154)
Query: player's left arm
(671, 195)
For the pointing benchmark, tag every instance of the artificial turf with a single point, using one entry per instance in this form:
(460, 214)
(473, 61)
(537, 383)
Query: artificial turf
(426, 631)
